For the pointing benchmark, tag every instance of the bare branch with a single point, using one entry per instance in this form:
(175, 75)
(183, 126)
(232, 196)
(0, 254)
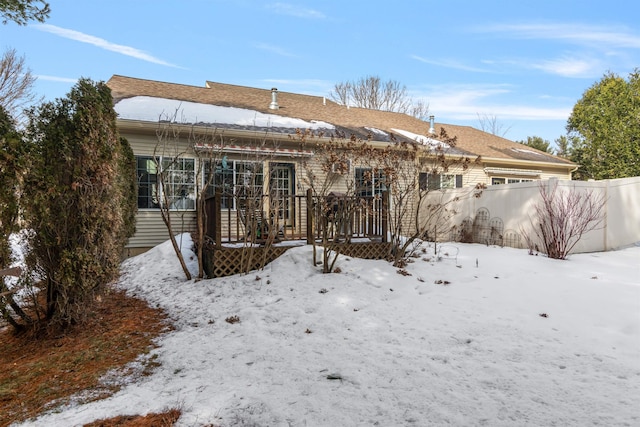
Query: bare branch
(16, 83)
(371, 92)
(562, 218)
(491, 125)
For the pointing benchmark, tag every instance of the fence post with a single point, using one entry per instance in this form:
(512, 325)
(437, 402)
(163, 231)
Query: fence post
(217, 203)
(309, 217)
(385, 213)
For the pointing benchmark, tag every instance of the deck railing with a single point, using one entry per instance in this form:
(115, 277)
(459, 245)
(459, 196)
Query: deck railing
(270, 218)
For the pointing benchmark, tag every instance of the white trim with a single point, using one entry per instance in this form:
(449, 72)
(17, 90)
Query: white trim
(509, 171)
(249, 149)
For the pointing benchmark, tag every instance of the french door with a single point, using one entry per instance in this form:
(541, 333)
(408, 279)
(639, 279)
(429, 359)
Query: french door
(281, 190)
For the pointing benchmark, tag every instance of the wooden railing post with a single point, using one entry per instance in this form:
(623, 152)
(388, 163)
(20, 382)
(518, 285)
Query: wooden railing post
(217, 203)
(310, 238)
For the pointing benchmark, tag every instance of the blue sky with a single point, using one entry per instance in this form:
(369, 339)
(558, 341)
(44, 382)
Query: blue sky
(523, 63)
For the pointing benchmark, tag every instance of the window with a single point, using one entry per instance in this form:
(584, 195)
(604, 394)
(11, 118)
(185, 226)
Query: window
(369, 183)
(179, 185)
(179, 182)
(146, 171)
(237, 180)
(436, 181)
(498, 180)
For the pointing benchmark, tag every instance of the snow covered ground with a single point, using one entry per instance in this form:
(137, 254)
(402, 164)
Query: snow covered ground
(475, 335)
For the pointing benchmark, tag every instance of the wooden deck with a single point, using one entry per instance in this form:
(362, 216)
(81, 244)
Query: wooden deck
(260, 230)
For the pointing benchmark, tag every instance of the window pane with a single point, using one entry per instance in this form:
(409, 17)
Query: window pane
(179, 183)
(236, 180)
(433, 181)
(369, 182)
(249, 179)
(364, 182)
(146, 169)
(423, 181)
(447, 181)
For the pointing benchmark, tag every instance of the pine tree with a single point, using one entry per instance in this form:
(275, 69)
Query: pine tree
(11, 168)
(606, 121)
(75, 200)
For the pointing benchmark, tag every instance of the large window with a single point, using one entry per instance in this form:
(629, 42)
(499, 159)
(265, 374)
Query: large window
(179, 182)
(369, 182)
(437, 181)
(237, 180)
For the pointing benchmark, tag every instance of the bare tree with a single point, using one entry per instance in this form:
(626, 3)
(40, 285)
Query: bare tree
(563, 217)
(262, 215)
(208, 146)
(325, 171)
(172, 195)
(420, 110)
(16, 83)
(411, 172)
(371, 92)
(490, 124)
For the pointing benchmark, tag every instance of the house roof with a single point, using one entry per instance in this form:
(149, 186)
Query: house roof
(361, 122)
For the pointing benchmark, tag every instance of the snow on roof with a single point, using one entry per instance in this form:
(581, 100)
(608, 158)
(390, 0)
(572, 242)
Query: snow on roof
(376, 131)
(153, 109)
(421, 139)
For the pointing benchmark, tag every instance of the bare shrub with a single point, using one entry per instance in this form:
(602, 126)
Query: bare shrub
(562, 217)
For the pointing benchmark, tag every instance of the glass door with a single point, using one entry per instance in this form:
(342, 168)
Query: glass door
(281, 190)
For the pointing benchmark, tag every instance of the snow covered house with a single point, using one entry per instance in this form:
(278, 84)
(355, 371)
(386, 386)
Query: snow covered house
(268, 135)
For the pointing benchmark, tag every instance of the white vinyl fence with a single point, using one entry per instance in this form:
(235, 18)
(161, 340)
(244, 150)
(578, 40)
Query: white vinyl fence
(503, 214)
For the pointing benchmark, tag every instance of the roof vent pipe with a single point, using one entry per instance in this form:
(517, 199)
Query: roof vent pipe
(432, 129)
(274, 99)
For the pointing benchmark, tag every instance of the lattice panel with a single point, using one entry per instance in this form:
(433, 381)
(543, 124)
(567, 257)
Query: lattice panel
(229, 261)
(368, 250)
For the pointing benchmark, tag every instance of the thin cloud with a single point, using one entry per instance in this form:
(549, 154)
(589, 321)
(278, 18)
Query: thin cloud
(56, 79)
(565, 66)
(569, 67)
(274, 49)
(449, 63)
(464, 102)
(609, 37)
(289, 9)
(102, 43)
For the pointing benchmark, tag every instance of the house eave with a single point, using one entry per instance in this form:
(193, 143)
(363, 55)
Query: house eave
(143, 126)
(530, 164)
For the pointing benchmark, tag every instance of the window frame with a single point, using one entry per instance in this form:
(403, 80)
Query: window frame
(375, 187)
(182, 177)
(502, 180)
(443, 181)
(234, 170)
